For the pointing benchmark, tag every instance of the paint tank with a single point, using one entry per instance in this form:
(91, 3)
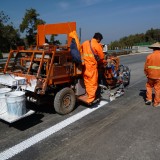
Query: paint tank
(16, 103)
(3, 104)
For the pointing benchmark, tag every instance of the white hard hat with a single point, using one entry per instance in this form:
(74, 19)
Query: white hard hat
(45, 44)
(105, 48)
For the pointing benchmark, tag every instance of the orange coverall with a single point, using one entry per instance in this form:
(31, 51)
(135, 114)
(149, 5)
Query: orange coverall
(152, 71)
(90, 74)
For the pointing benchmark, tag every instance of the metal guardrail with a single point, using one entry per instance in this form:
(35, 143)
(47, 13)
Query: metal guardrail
(120, 50)
(4, 60)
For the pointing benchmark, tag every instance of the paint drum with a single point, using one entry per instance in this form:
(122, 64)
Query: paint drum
(3, 104)
(16, 103)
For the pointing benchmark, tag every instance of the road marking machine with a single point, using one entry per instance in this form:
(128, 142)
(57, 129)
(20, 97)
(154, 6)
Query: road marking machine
(50, 70)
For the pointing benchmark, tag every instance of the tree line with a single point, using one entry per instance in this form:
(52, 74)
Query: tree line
(10, 36)
(151, 36)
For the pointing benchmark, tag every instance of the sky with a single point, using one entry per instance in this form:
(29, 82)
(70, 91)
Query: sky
(114, 19)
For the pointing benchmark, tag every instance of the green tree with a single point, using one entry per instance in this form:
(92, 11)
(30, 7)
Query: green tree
(3, 18)
(29, 25)
(9, 36)
(53, 41)
(153, 35)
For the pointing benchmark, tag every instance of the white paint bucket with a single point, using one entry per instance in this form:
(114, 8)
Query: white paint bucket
(16, 103)
(3, 104)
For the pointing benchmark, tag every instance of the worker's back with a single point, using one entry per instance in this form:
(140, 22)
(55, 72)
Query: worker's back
(152, 65)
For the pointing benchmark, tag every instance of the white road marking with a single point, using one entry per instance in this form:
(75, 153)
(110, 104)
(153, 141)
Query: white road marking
(8, 153)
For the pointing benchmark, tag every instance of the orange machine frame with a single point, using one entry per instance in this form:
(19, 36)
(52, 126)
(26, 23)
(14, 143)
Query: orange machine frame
(60, 77)
(59, 28)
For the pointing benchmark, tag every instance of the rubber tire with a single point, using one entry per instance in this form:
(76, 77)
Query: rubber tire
(61, 96)
(129, 79)
(128, 83)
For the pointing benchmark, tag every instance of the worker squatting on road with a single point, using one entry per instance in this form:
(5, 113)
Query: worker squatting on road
(92, 56)
(152, 72)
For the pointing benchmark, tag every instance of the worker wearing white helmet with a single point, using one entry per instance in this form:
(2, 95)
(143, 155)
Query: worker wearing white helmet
(105, 48)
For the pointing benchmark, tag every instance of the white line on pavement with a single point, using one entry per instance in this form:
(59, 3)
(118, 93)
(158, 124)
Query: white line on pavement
(46, 133)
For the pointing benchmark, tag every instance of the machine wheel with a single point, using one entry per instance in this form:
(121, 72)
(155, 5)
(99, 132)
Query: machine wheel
(64, 101)
(127, 78)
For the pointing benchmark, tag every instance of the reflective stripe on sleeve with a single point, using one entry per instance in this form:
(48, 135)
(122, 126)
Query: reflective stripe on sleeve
(154, 67)
(88, 55)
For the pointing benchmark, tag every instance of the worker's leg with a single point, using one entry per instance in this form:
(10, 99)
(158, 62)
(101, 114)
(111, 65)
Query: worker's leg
(91, 82)
(149, 86)
(101, 76)
(157, 92)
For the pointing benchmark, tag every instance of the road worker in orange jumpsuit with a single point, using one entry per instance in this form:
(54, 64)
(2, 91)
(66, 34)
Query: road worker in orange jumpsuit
(90, 49)
(152, 71)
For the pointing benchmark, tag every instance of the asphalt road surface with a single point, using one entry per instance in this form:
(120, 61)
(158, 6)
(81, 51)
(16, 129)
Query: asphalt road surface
(124, 129)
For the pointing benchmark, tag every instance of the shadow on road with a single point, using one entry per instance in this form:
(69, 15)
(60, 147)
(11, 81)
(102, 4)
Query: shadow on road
(143, 94)
(28, 122)
(36, 118)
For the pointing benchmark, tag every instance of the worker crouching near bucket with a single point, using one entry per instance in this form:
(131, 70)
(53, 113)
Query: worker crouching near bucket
(152, 72)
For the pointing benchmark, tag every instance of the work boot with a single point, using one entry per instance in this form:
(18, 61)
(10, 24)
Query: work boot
(148, 102)
(94, 102)
(158, 105)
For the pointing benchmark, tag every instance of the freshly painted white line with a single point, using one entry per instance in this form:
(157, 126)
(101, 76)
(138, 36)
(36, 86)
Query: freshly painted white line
(44, 134)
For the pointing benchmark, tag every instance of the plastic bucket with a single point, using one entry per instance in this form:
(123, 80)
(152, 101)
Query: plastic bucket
(16, 103)
(3, 104)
